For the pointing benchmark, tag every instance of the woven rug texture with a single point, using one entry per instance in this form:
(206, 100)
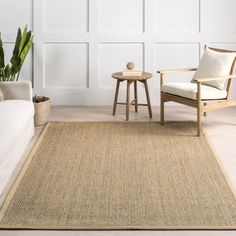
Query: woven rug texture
(109, 175)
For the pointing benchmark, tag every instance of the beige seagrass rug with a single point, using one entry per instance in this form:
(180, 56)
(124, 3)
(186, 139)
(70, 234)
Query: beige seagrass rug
(120, 176)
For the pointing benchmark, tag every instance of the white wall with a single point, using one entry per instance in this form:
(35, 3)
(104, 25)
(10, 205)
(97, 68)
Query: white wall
(79, 43)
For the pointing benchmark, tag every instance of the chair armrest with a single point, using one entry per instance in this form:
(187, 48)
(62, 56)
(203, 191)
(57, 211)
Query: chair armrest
(21, 90)
(176, 70)
(200, 80)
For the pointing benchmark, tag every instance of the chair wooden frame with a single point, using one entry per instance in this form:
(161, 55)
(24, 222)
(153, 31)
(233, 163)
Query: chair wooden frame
(203, 106)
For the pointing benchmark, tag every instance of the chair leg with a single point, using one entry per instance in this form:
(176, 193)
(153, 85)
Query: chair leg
(199, 114)
(148, 99)
(205, 114)
(162, 109)
(199, 109)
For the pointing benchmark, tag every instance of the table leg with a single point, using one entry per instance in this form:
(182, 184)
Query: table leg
(136, 95)
(116, 97)
(128, 100)
(148, 99)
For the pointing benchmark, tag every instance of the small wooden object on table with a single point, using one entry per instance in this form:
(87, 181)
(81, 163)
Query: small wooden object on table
(132, 79)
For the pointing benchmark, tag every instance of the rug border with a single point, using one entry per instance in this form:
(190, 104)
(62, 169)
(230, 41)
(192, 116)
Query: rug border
(22, 171)
(219, 162)
(170, 228)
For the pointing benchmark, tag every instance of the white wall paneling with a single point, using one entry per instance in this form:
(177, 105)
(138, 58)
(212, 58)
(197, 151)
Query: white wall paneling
(121, 16)
(15, 14)
(66, 16)
(61, 69)
(79, 43)
(221, 16)
(176, 16)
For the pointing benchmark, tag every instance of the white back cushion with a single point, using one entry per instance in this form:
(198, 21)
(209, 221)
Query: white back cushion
(215, 64)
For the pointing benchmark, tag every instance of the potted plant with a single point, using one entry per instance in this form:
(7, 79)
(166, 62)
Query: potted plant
(42, 110)
(11, 71)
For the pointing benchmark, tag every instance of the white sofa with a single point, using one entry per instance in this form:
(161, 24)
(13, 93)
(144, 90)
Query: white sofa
(16, 126)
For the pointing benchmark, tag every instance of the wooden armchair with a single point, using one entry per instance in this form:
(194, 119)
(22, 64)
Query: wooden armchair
(198, 94)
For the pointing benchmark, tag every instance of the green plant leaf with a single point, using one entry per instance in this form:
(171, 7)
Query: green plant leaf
(17, 43)
(28, 36)
(22, 42)
(7, 71)
(26, 50)
(16, 65)
(16, 60)
(2, 63)
(22, 46)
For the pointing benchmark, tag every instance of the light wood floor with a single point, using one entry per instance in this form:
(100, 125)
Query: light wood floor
(219, 126)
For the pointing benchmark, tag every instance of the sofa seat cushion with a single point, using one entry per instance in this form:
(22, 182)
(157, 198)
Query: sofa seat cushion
(189, 90)
(14, 116)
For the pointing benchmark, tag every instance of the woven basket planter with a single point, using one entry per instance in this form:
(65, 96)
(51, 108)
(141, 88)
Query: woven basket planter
(42, 112)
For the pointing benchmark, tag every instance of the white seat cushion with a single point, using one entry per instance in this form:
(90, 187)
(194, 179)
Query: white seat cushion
(215, 64)
(189, 90)
(14, 116)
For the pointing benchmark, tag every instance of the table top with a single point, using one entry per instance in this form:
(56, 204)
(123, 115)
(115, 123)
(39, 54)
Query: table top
(144, 76)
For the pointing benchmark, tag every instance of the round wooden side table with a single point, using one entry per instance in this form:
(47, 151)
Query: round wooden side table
(130, 79)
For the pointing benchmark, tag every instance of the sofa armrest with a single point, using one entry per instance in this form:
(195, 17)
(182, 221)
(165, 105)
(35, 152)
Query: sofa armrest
(21, 90)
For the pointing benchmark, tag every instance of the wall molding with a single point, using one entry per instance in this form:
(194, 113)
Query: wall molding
(97, 90)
